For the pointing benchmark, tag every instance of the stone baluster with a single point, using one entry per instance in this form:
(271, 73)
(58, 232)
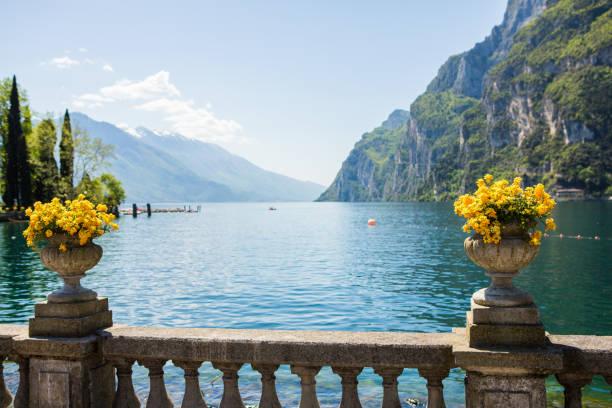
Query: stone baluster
(125, 397)
(269, 398)
(158, 396)
(573, 383)
(22, 395)
(5, 394)
(435, 394)
(193, 397)
(309, 385)
(231, 394)
(390, 395)
(350, 396)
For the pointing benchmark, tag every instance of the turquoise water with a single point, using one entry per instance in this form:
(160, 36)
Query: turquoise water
(319, 266)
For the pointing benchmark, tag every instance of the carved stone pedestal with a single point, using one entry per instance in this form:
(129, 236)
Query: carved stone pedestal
(506, 376)
(490, 391)
(492, 326)
(67, 373)
(78, 319)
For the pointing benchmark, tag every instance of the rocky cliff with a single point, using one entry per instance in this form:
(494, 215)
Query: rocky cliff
(533, 99)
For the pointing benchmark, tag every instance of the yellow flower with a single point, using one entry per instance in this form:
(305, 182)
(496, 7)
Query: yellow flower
(62, 247)
(77, 217)
(499, 200)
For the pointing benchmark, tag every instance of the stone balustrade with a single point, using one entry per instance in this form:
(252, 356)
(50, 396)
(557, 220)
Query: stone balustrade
(80, 372)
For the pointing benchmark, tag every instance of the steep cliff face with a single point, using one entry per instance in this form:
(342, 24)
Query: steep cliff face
(465, 73)
(533, 99)
(550, 99)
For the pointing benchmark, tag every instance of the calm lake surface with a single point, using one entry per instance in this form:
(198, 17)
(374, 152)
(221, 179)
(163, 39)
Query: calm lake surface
(318, 266)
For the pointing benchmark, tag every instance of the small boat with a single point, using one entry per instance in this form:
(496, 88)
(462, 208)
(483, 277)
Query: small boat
(272, 208)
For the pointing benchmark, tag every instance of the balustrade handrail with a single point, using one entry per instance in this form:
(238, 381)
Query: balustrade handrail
(588, 353)
(369, 349)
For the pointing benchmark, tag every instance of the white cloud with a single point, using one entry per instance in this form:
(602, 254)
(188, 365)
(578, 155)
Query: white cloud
(83, 49)
(154, 86)
(107, 67)
(160, 95)
(193, 122)
(62, 62)
(88, 61)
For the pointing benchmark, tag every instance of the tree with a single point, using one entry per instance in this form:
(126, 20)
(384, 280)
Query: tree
(105, 189)
(113, 193)
(67, 154)
(6, 88)
(44, 166)
(11, 186)
(90, 188)
(18, 186)
(25, 172)
(91, 154)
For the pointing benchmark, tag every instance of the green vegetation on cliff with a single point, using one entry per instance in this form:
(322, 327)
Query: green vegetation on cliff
(560, 66)
(439, 118)
(545, 113)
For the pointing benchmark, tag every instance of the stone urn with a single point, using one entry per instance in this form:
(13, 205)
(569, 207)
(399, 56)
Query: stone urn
(71, 266)
(502, 262)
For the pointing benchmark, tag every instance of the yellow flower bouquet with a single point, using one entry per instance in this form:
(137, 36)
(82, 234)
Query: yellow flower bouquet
(499, 203)
(79, 219)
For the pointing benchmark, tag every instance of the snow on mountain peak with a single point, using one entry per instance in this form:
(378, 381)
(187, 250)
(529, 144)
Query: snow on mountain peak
(127, 129)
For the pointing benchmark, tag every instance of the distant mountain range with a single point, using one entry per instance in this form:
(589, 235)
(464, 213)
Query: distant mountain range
(533, 99)
(168, 167)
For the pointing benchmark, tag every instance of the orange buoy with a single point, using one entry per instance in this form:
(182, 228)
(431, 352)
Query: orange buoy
(596, 237)
(578, 236)
(560, 235)
(371, 222)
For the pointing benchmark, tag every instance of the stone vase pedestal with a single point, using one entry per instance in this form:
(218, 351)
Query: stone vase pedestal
(72, 311)
(505, 357)
(73, 374)
(503, 315)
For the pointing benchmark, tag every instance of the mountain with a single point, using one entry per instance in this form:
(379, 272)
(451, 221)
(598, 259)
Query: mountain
(533, 99)
(167, 167)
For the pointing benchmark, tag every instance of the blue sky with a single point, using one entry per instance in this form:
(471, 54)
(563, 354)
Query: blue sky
(289, 85)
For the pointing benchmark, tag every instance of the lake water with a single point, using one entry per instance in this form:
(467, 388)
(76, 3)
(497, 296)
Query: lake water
(319, 266)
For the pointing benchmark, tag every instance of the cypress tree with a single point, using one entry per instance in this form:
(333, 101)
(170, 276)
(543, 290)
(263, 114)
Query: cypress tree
(14, 133)
(25, 171)
(67, 153)
(46, 181)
